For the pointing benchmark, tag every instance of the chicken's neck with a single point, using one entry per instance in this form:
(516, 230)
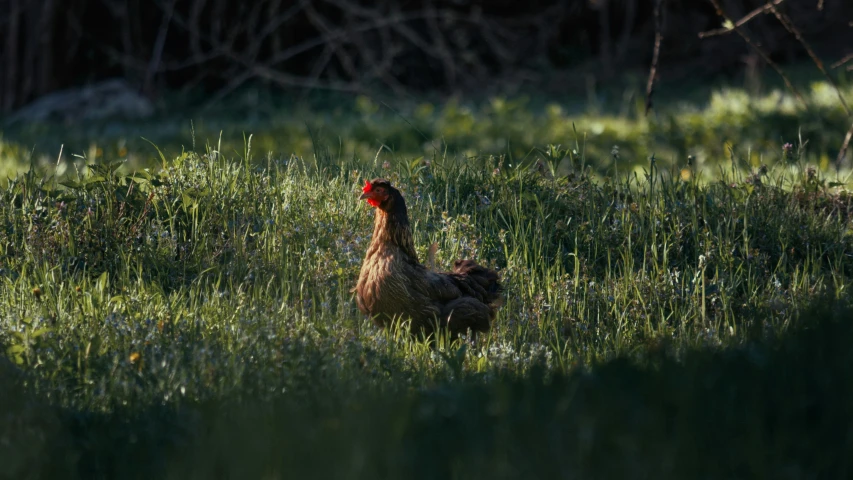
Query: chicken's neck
(392, 228)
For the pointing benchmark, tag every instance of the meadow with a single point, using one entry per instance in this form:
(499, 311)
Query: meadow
(677, 297)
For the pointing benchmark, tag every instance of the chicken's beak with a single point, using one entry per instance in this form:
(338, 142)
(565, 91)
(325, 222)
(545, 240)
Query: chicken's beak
(363, 196)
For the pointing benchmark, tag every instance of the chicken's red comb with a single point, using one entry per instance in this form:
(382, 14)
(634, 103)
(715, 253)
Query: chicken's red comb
(367, 186)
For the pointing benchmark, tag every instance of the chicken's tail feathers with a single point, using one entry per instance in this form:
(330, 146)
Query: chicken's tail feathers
(488, 280)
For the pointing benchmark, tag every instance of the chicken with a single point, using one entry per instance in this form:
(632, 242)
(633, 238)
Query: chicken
(393, 285)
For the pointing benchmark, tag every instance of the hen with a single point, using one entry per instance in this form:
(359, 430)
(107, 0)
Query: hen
(393, 285)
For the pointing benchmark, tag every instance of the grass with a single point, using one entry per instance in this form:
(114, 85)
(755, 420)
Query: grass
(196, 320)
(717, 124)
(769, 409)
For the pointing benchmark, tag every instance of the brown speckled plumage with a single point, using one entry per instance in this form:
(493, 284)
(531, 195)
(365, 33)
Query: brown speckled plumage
(394, 285)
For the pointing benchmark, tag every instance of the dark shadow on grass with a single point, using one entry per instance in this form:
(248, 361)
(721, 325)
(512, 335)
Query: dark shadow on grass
(777, 407)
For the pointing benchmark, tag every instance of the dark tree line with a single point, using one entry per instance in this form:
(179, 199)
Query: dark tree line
(220, 45)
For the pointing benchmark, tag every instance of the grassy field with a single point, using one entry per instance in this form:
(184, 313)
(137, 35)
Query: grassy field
(712, 125)
(664, 319)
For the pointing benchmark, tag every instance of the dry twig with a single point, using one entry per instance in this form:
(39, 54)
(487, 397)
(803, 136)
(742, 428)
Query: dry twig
(758, 49)
(842, 61)
(743, 21)
(844, 145)
(159, 44)
(653, 71)
(789, 25)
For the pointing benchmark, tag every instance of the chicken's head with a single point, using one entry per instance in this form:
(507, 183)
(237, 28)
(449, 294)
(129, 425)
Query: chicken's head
(376, 191)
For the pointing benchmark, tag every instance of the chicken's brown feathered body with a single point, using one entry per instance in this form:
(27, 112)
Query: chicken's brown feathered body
(394, 285)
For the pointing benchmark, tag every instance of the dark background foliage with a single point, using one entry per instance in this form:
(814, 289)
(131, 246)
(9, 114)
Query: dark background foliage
(217, 46)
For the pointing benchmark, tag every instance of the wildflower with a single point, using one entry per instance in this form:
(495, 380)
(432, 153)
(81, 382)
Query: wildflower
(787, 151)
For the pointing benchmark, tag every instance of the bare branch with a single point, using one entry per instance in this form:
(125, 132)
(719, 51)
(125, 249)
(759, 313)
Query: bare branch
(760, 51)
(157, 54)
(842, 61)
(275, 23)
(743, 21)
(442, 49)
(141, 66)
(844, 145)
(332, 37)
(789, 25)
(653, 71)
